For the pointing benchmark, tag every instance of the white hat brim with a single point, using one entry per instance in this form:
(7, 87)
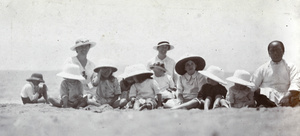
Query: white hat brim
(151, 67)
(213, 77)
(156, 46)
(70, 76)
(240, 81)
(114, 69)
(128, 75)
(77, 45)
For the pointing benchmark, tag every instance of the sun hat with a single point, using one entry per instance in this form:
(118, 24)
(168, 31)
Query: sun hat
(163, 43)
(159, 66)
(36, 77)
(215, 73)
(82, 41)
(105, 63)
(71, 71)
(241, 77)
(180, 65)
(134, 70)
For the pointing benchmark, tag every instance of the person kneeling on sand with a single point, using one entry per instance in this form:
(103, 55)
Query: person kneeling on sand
(240, 95)
(34, 90)
(143, 92)
(108, 88)
(71, 89)
(212, 94)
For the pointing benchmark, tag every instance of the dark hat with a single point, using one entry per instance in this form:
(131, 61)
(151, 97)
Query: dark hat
(36, 77)
(180, 65)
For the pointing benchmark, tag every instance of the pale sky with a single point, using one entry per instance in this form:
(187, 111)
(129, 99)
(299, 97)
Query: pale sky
(231, 34)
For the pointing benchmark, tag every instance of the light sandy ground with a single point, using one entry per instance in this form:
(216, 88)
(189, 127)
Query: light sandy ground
(42, 119)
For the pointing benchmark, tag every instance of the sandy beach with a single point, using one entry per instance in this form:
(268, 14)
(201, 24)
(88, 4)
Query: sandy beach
(43, 119)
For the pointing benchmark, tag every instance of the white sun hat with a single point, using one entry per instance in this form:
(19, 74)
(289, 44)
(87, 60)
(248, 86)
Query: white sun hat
(71, 71)
(163, 43)
(105, 63)
(133, 70)
(215, 73)
(241, 77)
(82, 41)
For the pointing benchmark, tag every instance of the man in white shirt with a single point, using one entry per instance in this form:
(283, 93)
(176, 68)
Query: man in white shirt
(277, 83)
(163, 47)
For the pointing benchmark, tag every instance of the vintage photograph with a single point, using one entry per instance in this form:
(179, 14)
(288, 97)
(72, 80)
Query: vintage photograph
(150, 67)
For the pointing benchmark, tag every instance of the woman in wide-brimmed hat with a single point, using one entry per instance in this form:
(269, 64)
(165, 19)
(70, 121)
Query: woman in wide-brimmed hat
(143, 92)
(108, 88)
(82, 47)
(240, 94)
(212, 94)
(34, 90)
(190, 80)
(163, 47)
(71, 90)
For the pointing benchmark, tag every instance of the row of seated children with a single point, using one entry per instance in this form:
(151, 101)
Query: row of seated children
(140, 90)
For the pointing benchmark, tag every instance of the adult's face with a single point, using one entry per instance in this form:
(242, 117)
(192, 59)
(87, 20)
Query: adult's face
(190, 67)
(83, 50)
(275, 51)
(163, 49)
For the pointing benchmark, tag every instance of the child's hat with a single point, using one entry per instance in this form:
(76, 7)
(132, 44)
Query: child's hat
(163, 43)
(134, 70)
(180, 65)
(71, 71)
(36, 77)
(82, 41)
(215, 73)
(241, 77)
(159, 66)
(105, 63)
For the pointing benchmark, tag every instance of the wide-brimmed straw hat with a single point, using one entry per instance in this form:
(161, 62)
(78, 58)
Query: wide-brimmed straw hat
(104, 63)
(133, 70)
(36, 77)
(215, 73)
(71, 71)
(82, 41)
(163, 43)
(180, 65)
(241, 77)
(159, 66)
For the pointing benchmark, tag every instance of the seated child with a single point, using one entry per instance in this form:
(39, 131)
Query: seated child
(125, 85)
(71, 88)
(143, 92)
(34, 90)
(240, 95)
(108, 88)
(212, 94)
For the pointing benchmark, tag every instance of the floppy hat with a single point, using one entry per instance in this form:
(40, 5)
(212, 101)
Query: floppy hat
(215, 73)
(134, 70)
(36, 77)
(159, 66)
(241, 77)
(180, 65)
(81, 42)
(163, 43)
(105, 63)
(71, 71)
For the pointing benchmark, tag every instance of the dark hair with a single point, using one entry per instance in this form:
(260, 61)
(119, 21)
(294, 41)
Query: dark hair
(275, 43)
(142, 77)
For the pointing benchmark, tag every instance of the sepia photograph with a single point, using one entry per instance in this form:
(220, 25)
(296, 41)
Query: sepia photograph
(150, 67)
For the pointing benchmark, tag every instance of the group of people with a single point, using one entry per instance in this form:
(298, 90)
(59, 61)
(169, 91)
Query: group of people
(164, 83)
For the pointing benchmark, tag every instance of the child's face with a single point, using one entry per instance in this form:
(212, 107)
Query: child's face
(105, 72)
(190, 67)
(158, 72)
(239, 86)
(212, 82)
(35, 82)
